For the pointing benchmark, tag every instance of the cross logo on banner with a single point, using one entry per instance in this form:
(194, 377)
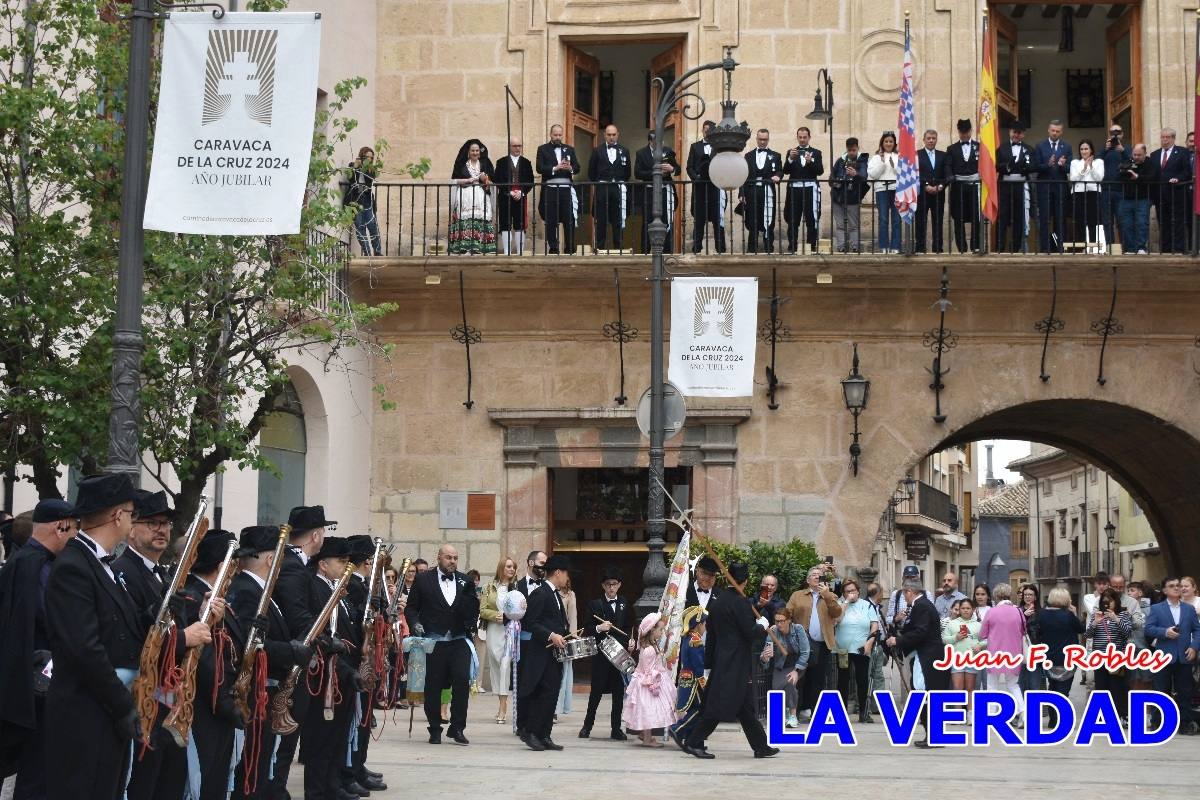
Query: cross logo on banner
(240, 81)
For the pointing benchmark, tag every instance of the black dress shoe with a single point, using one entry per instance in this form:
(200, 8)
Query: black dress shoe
(372, 784)
(533, 742)
(769, 752)
(346, 794)
(697, 752)
(457, 737)
(435, 737)
(549, 744)
(925, 745)
(682, 746)
(619, 736)
(370, 773)
(585, 733)
(355, 789)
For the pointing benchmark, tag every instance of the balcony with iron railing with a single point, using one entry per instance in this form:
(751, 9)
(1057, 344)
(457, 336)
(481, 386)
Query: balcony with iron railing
(929, 510)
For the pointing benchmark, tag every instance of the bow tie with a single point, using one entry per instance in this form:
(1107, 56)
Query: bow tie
(535, 583)
(160, 571)
(446, 577)
(762, 150)
(703, 591)
(107, 559)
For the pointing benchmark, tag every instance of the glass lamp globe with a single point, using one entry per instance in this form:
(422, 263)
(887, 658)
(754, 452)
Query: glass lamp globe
(728, 170)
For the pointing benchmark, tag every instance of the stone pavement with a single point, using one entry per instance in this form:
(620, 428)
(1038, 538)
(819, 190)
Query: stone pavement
(497, 765)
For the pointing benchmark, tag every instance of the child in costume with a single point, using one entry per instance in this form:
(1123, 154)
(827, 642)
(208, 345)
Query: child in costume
(650, 698)
(690, 691)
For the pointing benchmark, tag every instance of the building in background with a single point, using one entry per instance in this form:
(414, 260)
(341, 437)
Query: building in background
(1004, 536)
(1138, 546)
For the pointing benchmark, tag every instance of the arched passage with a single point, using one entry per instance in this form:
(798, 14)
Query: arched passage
(1155, 460)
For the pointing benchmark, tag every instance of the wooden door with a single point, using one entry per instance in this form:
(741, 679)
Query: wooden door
(582, 101)
(1123, 87)
(1003, 34)
(668, 65)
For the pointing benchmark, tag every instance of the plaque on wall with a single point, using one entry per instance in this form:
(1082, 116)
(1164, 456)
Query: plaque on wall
(916, 546)
(467, 511)
(481, 512)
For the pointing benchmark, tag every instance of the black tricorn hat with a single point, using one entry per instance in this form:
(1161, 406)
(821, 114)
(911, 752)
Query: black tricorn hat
(258, 539)
(334, 547)
(211, 550)
(101, 492)
(53, 510)
(152, 504)
(306, 518)
(558, 562)
(964, 125)
(362, 547)
(610, 573)
(709, 564)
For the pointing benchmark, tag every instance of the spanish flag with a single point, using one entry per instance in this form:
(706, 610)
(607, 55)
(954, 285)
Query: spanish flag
(988, 132)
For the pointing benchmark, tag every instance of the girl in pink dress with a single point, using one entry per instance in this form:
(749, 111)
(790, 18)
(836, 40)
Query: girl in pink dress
(650, 698)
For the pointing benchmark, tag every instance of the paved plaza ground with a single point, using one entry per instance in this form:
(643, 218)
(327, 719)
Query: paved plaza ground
(497, 765)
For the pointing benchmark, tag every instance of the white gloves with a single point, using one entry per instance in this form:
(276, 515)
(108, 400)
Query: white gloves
(762, 623)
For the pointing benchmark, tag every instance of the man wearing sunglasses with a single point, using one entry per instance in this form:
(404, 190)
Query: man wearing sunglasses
(1115, 152)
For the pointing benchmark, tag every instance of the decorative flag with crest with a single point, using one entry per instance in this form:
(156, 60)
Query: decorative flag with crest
(907, 182)
(674, 599)
(1196, 183)
(989, 203)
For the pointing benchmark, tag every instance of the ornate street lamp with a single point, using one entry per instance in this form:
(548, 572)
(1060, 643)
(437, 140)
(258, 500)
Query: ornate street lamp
(823, 112)
(856, 391)
(727, 170)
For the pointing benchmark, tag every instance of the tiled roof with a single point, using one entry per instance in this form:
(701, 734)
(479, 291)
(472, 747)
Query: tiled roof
(1011, 501)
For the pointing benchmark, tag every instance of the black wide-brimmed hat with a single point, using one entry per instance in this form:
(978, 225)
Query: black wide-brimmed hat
(964, 125)
(257, 539)
(709, 565)
(212, 549)
(362, 547)
(610, 573)
(100, 492)
(558, 562)
(334, 547)
(152, 504)
(739, 572)
(53, 510)
(1017, 125)
(306, 518)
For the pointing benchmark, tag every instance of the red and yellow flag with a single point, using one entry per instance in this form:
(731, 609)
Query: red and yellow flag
(988, 132)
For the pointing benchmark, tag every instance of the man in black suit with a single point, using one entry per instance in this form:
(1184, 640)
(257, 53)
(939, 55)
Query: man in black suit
(1014, 163)
(962, 159)
(327, 725)
(257, 554)
(95, 633)
(514, 182)
(26, 649)
(765, 169)
(296, 593)
(356, 778)
(214, 720)
(643, 170)
(616, 613)
(931, 199)
(733, 639)
(161, 770)
(708, 201)
(610, 166)
(558, 205)
(922, 634)
(535, 576)
(703, 589)
(443, 606)
(544, 625)
(802, 168)
(1173, 177)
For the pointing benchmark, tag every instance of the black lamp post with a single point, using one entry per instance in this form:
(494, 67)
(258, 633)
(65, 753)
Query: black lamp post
(727, 170)
(823, 112)
(856, 391)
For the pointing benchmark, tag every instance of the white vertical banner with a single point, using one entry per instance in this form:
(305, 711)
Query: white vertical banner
(235, 123)
(714, 322)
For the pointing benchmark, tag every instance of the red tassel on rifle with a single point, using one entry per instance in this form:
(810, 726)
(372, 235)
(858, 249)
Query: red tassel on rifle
(254, 726)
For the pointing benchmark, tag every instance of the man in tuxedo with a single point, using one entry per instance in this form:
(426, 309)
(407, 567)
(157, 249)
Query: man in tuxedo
(95, 633)
(558, 205)
(544, 625)
(617, 617)
(257, 554)
(26, 649)
(296, 593)
(1173, 175)
(514, 182)
(764, 171)
(1053, 164)
(962, 171)
(443, 606)
(733, 640)
(703, 588)
(643, 170)
(1173, 628)
(1015, 161)
(708, 201)
(801, 169)
(535, 576)
(922, 634)
(610, 166)
(931, 200)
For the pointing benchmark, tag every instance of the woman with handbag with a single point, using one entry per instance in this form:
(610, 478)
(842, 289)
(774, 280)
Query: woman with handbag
(1058, 627)
(1111, 624)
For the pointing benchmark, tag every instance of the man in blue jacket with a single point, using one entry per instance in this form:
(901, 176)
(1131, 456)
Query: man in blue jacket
(1173, 628)
(1053, 166)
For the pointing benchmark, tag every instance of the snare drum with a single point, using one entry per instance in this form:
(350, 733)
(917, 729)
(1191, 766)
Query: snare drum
(617, 655)
(576, 649)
